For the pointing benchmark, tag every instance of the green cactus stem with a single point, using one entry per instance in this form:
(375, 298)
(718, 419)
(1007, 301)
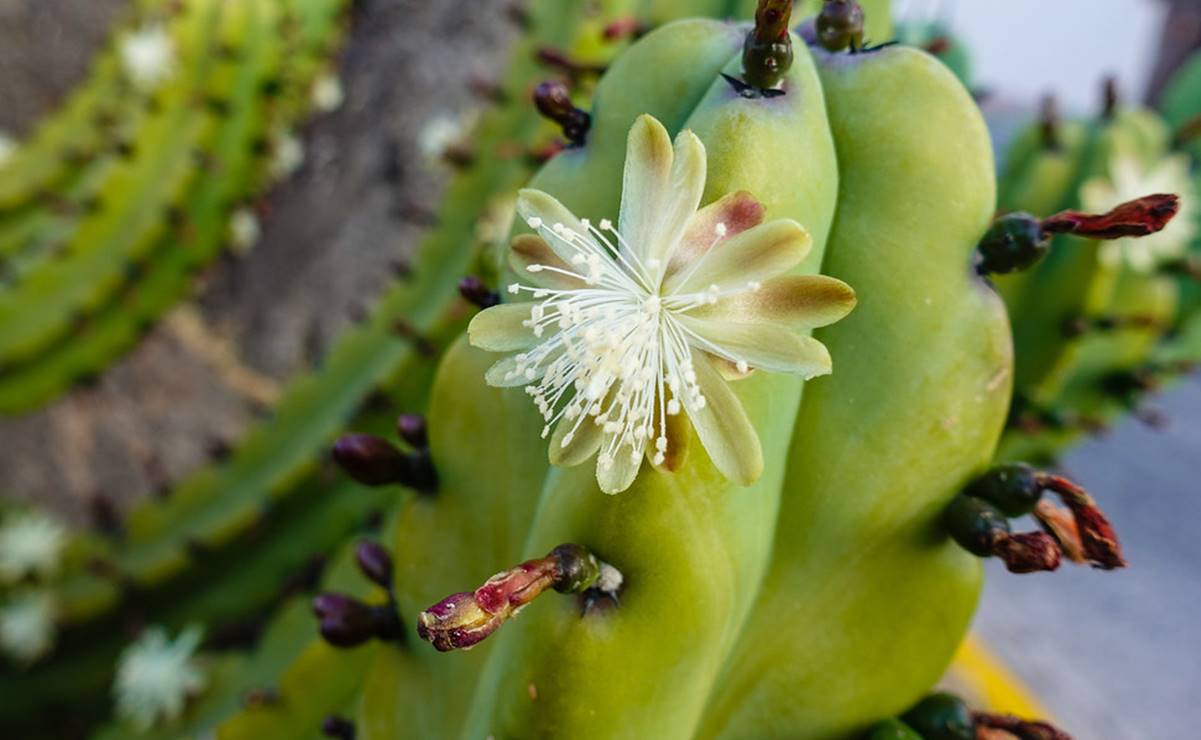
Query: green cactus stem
(462, 620)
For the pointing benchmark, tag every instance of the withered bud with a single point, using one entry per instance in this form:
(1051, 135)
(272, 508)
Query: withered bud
(767, 51)
(1028, 552)
(374, 562)
(840, 25)
(1097, 540)
(1018, 241)
(1058, 522)
(412, 429)
(474, 291)
(462, 620)
(1016, 727)
(553, 101)
(346, 622)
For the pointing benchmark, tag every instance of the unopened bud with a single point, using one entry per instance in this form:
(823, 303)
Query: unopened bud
(374, 461)
(1028, 552)
(462, 620)
(474, 291)
(1008, 726)
(941, 715)
(412, 429)
(767, 53)
(840, 25)
(347, 622)
(338, 727)
(374, 562)
(553, 100)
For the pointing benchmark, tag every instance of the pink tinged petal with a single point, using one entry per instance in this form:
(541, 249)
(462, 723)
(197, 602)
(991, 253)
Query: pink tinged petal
(763, 346)
(535, 204)
(731, 214)
(799, 302)
(581, 445)
(502, 329)
(755, 255)
(622, 467)
(723, 427)
(528, 250)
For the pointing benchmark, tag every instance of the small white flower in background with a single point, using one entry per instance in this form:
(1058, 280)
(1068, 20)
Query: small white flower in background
(244, 230)
(31, 544)
(327, 93)
(155, 677)
(8, 147)
(443, 132)
(633, 330)
(1128, 180)
(148, 56)
(287, 155)
(27, 626)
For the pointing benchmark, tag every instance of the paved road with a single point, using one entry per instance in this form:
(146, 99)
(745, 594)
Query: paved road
(1117, 656)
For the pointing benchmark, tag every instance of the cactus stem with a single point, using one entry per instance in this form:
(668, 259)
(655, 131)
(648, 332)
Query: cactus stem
(1018, 241)
(553, 101)
(261, 698)
(475, 292)
(462, 620)
(374, 461)
(338, 727)
(423, 346)
(997, 726)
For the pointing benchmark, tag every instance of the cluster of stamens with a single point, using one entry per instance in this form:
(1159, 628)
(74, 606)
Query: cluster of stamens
(617, 354)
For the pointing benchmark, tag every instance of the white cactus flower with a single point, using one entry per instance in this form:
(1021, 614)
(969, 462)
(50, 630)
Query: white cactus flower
(27, 626)
(1128, 180)
(156, 676)
(148, 56)
(633, 329)
(244, 230)
(328, 94)
(31, 544)
(287, 155)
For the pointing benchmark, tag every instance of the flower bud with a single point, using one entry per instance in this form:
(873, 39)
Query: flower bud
(941, 716)
(840, 25)
(347, 622)
(767, 52)
(374, 562)
(412, 429)
(370, 460)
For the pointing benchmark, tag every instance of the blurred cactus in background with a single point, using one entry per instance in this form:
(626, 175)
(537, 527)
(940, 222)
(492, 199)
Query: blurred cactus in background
(691, 342)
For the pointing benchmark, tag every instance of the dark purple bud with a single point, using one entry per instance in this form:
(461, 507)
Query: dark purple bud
(474, 291)
(374, 562)
(347, 622)
(412, 429)
(371, 460)
(338, 727)
(554, 102)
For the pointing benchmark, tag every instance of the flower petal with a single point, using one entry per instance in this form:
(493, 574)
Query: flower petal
(503, 374)
(661, 190)
(548, 211)
(796, 301)
(764, 346)
(677, 430)
(530, 250)
(618, 472)
(757, 254)
(584, 442)
(734, 212)
(501, 328)
(723, 427)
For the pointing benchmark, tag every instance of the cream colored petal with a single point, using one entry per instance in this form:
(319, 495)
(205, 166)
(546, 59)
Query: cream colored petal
(799, 302)
(530, 250)
(645, 183)
(677, 431)
(763, 346)
(584, 442)
(728, 369)
(684, 196)
(622, 468)
(535, 204)
(504, 374)
(735, 212)
(500, 328)
(723, 427)
(757, 254)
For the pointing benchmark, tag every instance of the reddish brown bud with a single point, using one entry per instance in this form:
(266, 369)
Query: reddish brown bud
(554, 101)
(462, 620)
(625, 27)
(1097, 539)
(1028, 552)
(1000, 724)
(1135, 218)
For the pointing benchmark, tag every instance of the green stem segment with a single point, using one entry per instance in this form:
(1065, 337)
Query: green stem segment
(767, 53)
